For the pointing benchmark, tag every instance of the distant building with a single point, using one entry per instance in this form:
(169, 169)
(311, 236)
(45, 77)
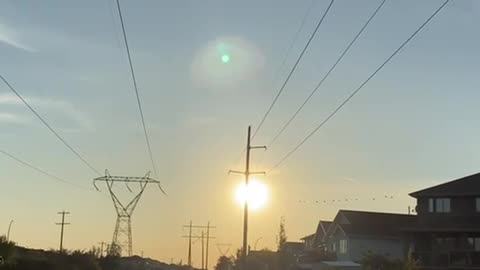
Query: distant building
(447, 232)
(321, 234)
(316, 240)
(309, 242)
(353, 234)
(262, 259)
(293, 248)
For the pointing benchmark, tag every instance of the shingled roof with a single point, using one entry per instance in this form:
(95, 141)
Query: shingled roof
(371, 223)
(466, 186)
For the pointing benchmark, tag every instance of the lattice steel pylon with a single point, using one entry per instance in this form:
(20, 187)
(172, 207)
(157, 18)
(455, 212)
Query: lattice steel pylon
(122, 235)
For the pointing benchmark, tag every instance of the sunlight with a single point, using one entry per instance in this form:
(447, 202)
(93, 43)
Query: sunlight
(256, 194)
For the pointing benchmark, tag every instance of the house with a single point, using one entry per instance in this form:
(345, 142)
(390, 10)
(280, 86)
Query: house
(321, 234)
(293, 248)
(353, 234)
(447, 232)
(316, 240)
(309, 242)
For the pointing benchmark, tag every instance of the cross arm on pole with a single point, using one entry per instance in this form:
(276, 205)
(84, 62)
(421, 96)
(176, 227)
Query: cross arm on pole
(259, 147)
(257, 173)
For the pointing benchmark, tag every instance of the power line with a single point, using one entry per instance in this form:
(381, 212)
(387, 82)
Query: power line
(48, 126)
(287, 54)
(42, 171)
(327, 74)
(358, 89)
(293, 69)
(295, 37)
(134, 81)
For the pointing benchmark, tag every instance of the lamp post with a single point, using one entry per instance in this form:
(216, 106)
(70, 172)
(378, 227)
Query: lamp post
(256, 242)
(9, 227)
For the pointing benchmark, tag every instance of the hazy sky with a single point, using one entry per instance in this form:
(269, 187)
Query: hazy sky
(413, 126)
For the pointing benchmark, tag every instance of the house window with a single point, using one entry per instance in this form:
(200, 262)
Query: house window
(442, 205)
(334, 247)
(431, 205)
(343, 246)
(439, 205)
(477, 204)
(474, 243)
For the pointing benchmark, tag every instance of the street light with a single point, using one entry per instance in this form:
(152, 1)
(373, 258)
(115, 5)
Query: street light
(9, 227)
(256, 242)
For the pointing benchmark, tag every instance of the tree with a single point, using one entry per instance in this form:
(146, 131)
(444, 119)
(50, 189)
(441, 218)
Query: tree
(282, 236)
(95, 252)
(284, 259)
(410, 263)
(7, 249)
(372, 261)
(224, 263)
(115, 250)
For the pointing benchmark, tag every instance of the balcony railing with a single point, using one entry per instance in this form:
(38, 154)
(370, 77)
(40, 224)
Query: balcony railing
(470, 259)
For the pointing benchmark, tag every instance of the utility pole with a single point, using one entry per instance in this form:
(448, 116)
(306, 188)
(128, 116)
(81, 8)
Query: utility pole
(203, 250)
(247, 174)
(189, 261)
(190, 236)
(63, 213)
(208, 238)
(101, 247)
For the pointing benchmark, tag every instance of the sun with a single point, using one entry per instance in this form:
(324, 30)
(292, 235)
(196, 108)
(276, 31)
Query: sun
(256, 194)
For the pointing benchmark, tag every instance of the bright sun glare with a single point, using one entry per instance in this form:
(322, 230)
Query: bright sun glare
(256, 194)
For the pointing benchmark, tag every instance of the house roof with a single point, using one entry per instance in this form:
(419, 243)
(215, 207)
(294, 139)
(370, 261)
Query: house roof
(322, 229)
(466, 186)
(308, 236)
(370, 223)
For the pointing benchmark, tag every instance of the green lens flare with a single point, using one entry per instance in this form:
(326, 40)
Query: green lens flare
(225, 58)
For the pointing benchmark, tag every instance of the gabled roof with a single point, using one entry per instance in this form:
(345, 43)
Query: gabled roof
(370, 223)
(308, 237)
(321, 233)
(466, 186)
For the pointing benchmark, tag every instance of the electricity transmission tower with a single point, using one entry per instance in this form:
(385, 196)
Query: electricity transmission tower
(222, 251)
(122, 235)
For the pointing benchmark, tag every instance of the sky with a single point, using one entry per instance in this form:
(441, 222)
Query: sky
(411, 127)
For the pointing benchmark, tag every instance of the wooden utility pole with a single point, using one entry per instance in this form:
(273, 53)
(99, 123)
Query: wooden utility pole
(62, 224)
(203, 251)
(102, 244)
(189, 243)
(202, 236)
(247, 174)
(208, 238)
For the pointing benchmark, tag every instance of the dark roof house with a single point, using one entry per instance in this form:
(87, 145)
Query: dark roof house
(355, 233)
(465, 186)
(321, 233)
(447, 232)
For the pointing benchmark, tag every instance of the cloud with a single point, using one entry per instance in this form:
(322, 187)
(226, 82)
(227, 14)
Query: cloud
(66, 112)
(11, 118)
(12, 38)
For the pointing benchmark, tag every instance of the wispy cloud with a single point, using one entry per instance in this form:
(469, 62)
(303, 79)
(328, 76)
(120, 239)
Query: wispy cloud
(12, 38)
(11, 118)
(61, 108)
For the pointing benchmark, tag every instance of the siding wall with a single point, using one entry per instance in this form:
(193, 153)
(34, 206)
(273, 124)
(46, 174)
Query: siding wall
(358, 246)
